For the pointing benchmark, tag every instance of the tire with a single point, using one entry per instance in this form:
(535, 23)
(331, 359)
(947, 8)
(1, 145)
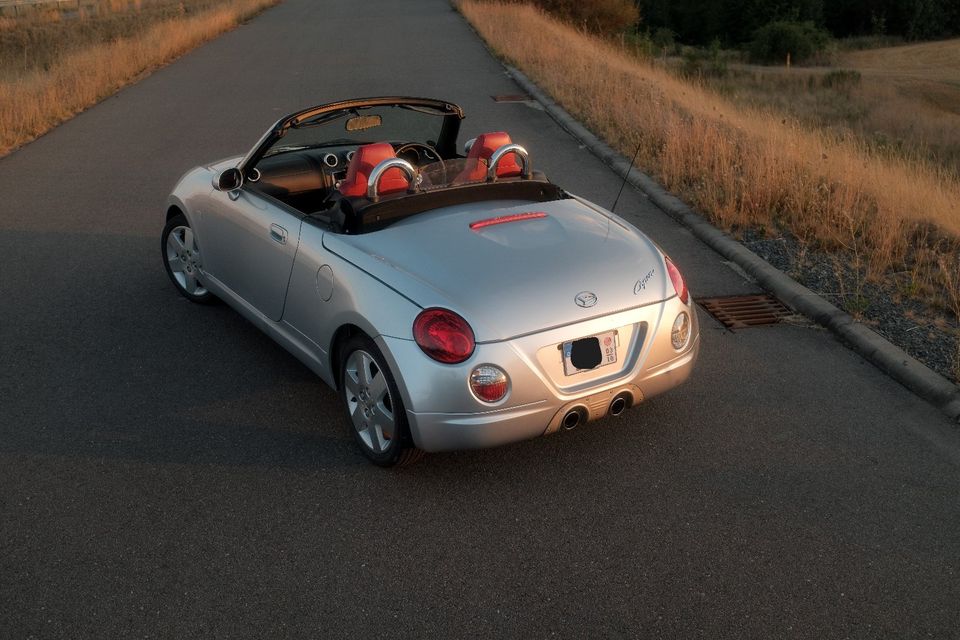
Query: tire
(182, 260)
(372, 404)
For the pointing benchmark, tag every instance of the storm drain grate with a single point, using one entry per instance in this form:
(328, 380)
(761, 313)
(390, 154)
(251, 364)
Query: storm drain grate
(512, 97)
(740, 312)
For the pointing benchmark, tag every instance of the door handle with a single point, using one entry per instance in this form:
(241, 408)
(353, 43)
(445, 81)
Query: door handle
(278, 233)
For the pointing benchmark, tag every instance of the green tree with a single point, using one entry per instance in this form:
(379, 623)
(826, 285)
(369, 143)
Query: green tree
(775, 41)
(601, 16)
(734, 22)
(927, 20)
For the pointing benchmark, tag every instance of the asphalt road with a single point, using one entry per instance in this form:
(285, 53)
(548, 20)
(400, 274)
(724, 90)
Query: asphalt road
(167, 471)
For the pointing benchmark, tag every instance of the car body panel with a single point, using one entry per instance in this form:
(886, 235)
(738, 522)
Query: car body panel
(444, 414)
(527, 288)
(353, 298)
(441, 261)
(255, 248)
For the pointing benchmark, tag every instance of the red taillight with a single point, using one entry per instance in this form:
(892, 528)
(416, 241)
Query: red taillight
(678, 284)
(513, 217)
(443, 335)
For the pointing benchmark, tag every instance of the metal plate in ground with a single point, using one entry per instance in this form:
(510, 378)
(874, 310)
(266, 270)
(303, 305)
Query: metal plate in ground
(514, 97)
(741, 312)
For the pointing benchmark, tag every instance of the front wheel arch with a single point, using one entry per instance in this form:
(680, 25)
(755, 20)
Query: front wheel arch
(182, 260)
(172, 212)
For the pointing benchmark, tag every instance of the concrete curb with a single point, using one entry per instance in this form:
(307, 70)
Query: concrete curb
(889, 358)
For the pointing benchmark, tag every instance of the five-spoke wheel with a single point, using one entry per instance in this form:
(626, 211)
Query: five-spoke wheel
(181, 257)
(368, 401)
(373, 404)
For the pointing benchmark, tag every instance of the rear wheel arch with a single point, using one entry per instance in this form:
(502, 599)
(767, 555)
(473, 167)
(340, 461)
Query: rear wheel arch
(357, 396)
(340, 337)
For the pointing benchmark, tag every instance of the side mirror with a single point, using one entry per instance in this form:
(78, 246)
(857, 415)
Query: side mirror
(228, 180)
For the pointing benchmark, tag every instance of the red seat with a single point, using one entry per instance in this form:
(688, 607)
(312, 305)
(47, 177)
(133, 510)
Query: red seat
(479, 157)
(364, 160)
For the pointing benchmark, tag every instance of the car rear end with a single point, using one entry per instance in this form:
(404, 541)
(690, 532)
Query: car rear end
(646, 350)
(535, 317)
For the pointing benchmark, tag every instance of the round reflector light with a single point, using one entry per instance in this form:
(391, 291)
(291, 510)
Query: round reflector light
(678, 284)
(489, 383)
(680, 334)
(443, 335)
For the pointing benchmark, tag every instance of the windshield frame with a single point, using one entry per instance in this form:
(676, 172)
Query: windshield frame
(446, 146)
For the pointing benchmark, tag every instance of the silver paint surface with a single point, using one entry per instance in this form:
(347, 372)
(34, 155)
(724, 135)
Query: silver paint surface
(520, 285)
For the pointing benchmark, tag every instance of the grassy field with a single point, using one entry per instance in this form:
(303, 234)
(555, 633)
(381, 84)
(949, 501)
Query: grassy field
(55, 62)
(894, 216)
(935, 61)
(903, 101)
(916, 96)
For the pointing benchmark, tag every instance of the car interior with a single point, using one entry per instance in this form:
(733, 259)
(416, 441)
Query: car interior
(333, 182)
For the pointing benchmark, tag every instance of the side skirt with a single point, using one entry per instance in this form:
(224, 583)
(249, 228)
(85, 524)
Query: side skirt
(287, 336)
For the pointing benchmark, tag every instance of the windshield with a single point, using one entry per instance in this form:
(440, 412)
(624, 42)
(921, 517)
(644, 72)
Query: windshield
(445, 173)
(362, 125)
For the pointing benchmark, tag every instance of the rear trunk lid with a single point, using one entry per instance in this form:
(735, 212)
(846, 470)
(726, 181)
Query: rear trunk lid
(575, 263)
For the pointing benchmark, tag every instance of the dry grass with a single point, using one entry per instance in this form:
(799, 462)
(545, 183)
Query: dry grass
(901, 100)
(36, 37)
(937, 61)
(55, 64)
(744, 167)
(912, 95)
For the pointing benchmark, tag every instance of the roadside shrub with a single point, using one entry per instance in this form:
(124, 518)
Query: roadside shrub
(840, 79)
(801, 40)
(704, 63)
(640, 45)
(606, 17)
(665, 40)
(602, 17)
(862, 43)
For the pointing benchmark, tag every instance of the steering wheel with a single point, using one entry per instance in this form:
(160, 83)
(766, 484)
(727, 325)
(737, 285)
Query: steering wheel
(422, 151)
(430, 154)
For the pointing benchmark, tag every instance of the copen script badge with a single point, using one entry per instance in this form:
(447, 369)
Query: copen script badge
(642, 282)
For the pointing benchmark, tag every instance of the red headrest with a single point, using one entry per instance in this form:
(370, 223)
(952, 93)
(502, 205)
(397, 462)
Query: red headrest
(483, 147)
(364, 160)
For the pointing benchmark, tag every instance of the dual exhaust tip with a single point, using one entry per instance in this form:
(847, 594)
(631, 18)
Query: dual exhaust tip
(574, 417)
(579, 414)
(619, 405)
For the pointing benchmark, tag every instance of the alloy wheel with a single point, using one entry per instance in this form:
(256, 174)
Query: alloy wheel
(183, 257)
(368, 401)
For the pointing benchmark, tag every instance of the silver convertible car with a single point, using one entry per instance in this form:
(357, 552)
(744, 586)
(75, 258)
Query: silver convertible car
(452, 300)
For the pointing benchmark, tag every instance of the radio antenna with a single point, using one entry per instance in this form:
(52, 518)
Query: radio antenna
(624, 183)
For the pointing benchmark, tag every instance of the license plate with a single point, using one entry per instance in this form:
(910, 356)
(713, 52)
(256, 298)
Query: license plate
(589, 353)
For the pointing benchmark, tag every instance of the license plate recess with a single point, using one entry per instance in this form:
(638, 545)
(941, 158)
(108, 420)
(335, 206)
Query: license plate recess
(591, 352)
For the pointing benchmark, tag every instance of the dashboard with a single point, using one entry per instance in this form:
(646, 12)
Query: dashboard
(299, 171)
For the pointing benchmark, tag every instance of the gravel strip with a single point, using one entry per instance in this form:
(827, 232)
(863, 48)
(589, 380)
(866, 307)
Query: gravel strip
(914, 327)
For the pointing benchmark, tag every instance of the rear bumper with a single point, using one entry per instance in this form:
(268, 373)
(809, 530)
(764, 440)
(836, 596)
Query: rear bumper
(450, 431)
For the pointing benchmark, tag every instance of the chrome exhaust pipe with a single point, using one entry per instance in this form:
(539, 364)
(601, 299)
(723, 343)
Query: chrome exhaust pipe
(618, 406)
(572, 419)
